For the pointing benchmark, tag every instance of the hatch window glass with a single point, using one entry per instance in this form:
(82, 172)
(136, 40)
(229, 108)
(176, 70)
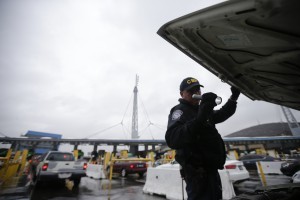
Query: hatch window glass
(60, 157)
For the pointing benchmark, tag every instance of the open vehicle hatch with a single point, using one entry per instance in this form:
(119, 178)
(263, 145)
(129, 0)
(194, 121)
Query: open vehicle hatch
(251, 44)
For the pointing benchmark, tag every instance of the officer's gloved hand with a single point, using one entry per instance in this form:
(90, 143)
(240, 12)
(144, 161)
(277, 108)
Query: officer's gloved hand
(235, 93)
(209, 98)
(206, 107)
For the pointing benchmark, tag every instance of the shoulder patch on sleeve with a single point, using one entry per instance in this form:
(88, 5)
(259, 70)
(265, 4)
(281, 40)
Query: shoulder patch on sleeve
(176, 114)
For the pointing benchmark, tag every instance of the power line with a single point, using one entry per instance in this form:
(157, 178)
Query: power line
(144, 129)
(126, 108)
(148, 127)
(3, 134)
(101, 131)
(151, 131)
(124, 131)
(159, 126)
(144, 109)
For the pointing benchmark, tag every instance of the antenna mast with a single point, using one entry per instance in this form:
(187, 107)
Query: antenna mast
(135, 128)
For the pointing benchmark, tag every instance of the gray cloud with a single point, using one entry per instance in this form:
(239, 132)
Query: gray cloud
(68, 67)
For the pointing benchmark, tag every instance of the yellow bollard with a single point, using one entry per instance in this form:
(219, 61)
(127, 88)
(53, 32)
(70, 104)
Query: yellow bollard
(111, 170)
(151, 156)
(236, 155)
(75, 153)
(124, 154)
(111, 165)
(106, 159)
(263, 178)
(23, 161)
(5, 161)
(13, 166)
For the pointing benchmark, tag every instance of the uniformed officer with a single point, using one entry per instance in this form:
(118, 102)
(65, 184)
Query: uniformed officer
(199, 147)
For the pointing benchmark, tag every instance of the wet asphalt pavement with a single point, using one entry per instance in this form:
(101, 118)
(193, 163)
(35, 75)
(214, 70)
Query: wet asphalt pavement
(130, 188)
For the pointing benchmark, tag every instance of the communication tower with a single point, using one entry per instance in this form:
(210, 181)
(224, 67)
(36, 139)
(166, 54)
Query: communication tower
(292, 122)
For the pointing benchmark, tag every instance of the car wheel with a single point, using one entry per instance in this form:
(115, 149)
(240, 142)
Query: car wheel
(123, 173)
(37, 183)
(77, 182)
(141, 174)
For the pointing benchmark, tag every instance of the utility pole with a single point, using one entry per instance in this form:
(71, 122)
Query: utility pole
(292, 122)
(134, 128)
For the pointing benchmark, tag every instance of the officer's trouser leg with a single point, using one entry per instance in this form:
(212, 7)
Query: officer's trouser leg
(205, 186)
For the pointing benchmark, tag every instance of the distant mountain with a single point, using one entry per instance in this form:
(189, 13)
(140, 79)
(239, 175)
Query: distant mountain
(264, 130)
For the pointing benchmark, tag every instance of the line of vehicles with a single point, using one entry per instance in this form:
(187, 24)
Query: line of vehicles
(63, 167)
(59, 166)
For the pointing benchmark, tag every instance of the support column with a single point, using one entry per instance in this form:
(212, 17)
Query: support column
(134, 149)
(75, 146)
(146, 148)
(153, 147)
(227, 146)
(115, 149)
(15, 146)
(247, 147)
(95, 147)
(55, 146)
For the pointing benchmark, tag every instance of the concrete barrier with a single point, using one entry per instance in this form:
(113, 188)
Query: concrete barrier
(165, 180)
(272, 167)
(95, 171)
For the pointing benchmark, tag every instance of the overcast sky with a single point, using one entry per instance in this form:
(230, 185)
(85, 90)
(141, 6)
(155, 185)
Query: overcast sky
(69, 67)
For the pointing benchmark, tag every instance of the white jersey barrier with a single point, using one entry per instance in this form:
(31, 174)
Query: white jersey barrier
(95, 171)
(166, 180)
(272, 167)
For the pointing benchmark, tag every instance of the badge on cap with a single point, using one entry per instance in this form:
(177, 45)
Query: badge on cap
(176, 114)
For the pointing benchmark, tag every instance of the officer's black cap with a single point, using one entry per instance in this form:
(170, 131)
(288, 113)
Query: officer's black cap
(189, 83)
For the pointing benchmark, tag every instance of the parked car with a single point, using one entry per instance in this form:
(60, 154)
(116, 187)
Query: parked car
(57, 166)
(290, 167)
(250, 160)
(129, 167)
(236, 169)
(296, 177)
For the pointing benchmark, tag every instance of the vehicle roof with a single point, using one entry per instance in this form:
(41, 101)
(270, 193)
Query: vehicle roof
(253, 45)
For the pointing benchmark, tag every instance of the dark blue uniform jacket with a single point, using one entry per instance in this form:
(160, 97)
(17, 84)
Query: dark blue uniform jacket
(197, 142)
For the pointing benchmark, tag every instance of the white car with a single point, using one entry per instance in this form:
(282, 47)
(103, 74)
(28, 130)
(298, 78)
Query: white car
(296, 177)
(236, 169)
